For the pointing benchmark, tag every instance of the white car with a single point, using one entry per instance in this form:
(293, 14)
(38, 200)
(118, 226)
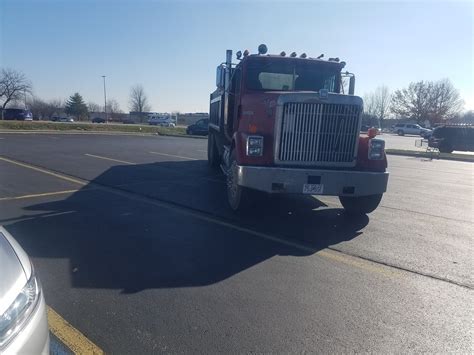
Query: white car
(23, 320)
(161, 121)
(410, 128)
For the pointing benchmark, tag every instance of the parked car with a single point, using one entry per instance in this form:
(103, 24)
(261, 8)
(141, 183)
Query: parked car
(17, 114)
(164, 121)
(410, 128)
(453, 137)
(23, 320)
(65, 119)
(200, 128)
(98, 120)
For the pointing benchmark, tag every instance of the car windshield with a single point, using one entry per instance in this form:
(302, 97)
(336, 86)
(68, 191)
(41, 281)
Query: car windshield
(291, 75)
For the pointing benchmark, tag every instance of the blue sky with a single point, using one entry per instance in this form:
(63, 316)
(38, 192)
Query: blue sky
(172, 48)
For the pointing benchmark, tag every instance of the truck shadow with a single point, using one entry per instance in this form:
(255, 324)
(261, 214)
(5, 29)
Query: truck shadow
(118, 233)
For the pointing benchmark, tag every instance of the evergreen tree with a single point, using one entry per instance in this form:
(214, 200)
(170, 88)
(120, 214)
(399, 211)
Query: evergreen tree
(75, 106)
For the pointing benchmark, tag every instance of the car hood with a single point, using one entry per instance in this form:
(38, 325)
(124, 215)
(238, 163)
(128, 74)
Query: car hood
(13, 275)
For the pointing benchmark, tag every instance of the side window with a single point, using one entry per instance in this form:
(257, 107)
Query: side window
(236, 78)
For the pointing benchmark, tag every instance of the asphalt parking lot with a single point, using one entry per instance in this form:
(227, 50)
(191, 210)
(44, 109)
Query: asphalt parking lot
(136, 248)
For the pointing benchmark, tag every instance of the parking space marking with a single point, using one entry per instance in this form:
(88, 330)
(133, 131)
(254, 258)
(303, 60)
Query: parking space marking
(111, 159)
(173, 156)
(42, 215)
(39, 195)
(44, 171)
(72, 338)
(202, 150)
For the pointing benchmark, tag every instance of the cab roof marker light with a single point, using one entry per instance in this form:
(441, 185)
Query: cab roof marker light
(303, 55)
(320, 56)
(262, 49)
(246, 53)
(293, 55)
(283, 53)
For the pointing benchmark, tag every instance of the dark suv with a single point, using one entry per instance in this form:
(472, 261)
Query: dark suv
(453, 137)
(17, 114)
(200, 128)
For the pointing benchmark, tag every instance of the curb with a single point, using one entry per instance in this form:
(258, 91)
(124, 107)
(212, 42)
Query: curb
(441, 156)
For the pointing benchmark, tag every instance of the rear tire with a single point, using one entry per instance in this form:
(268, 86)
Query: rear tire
(361, 204)
(213, 158)
(446, 148)
(238, 197)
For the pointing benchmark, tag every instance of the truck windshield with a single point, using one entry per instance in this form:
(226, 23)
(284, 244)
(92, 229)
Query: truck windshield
(292, 75)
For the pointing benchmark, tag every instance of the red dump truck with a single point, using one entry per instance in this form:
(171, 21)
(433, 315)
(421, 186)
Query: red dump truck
(283, 124)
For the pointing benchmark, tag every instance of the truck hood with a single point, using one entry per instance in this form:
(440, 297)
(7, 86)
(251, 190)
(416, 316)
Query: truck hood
(13, 276)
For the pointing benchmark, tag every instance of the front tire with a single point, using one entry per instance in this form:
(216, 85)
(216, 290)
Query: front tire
(400, 132)
(360, 205)
(238, 197)
(446, 148)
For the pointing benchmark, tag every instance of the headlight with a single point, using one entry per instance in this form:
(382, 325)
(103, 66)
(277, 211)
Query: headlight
(255, 146)
(376, 149)
(13, 319)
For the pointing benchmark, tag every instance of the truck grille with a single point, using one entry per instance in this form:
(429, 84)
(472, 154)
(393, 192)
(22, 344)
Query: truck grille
(319, 133)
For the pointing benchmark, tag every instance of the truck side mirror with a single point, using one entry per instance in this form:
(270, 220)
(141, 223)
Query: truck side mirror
(220, 76)
(352, 83)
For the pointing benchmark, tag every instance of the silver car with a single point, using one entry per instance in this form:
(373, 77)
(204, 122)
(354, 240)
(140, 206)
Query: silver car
(23, 320)
(410, 128)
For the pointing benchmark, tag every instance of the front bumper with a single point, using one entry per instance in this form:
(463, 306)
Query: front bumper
(292, 180)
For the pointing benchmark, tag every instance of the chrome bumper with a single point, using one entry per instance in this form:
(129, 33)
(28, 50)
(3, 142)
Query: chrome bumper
(291, 180)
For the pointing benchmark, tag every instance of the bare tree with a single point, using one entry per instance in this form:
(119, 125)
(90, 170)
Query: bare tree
(113, 106)
(55, 107)
(93, 107)
(382, 101)
(138, 99)
(13, 85)
(45, 110)
(427, 100)
(369, 105)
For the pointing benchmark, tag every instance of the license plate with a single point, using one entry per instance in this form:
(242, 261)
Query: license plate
(313, 189)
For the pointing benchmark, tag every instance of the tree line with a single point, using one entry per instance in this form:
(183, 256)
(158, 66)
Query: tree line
(422, 101)
(16, 91)
(432, 101)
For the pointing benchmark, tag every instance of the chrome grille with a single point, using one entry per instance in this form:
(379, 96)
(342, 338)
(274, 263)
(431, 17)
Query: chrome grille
(318, 133)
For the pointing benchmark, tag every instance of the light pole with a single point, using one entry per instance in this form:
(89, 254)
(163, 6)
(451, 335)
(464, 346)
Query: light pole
(105, 100)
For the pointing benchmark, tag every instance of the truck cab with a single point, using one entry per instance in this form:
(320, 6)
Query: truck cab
(283, 124)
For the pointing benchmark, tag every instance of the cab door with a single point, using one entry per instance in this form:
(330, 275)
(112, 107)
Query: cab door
(234, 101)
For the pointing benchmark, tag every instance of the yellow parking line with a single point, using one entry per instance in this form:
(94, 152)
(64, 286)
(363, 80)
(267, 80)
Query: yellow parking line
(39, 195)
(70, 336)
(44, 171)
(174, 156)
(358, 263)
(111, 159)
